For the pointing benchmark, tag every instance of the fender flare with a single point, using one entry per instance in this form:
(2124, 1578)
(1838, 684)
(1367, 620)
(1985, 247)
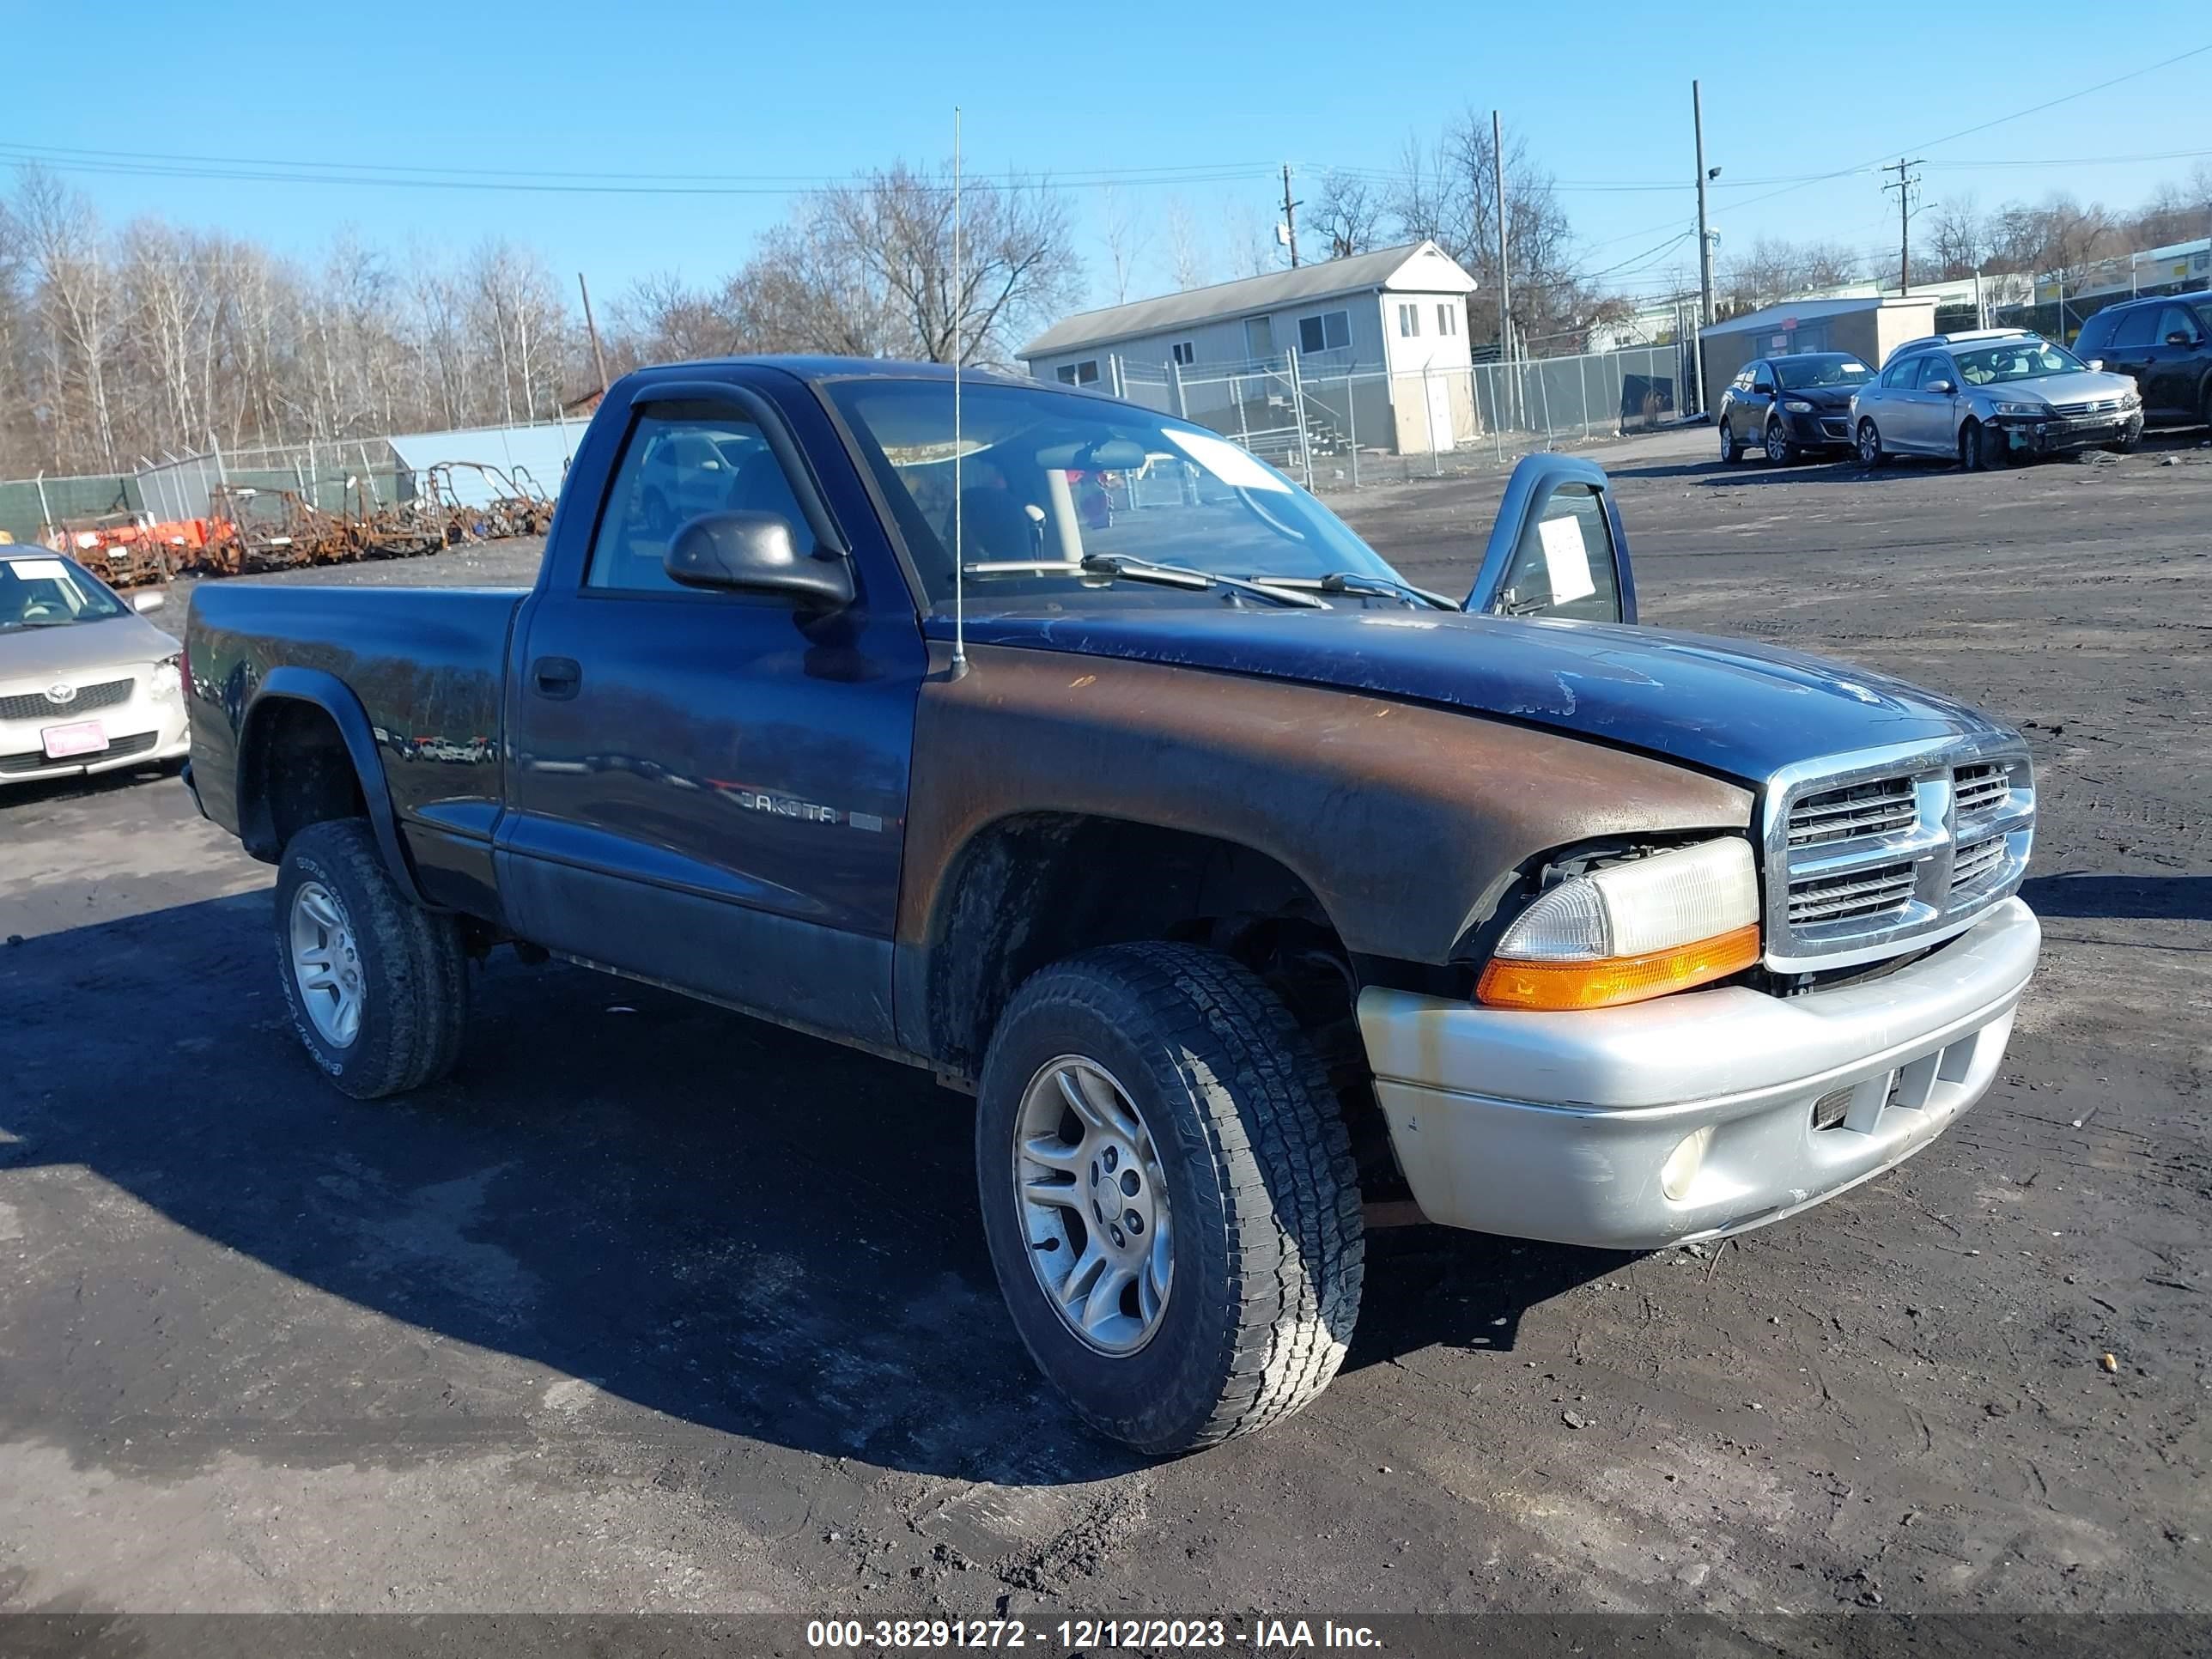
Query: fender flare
(327, 692)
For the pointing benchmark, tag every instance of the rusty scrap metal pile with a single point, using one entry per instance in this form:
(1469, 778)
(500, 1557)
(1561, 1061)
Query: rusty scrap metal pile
(248, 531)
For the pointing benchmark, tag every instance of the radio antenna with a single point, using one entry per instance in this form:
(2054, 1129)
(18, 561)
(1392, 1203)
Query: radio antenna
(959, 547)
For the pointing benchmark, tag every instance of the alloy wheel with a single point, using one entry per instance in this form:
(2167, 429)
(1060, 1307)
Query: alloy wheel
(326, 963)
(1094, 1205)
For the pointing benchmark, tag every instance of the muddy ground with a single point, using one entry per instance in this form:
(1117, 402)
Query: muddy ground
(652, 1307)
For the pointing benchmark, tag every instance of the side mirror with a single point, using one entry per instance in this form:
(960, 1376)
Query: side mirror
(141, 603)
(2176, 337)
(754, 553)
(1941, 388)
(2096, 363)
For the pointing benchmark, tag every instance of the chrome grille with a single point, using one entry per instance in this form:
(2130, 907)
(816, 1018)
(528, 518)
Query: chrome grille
(37, 706)
(2090, 406)
(1976, 861)
(1977, 788)
(1878, 808)
(1832, 898)
(1865, 856)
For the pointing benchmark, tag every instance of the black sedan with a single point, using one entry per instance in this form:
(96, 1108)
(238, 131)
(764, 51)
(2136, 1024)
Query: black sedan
(1784, 407)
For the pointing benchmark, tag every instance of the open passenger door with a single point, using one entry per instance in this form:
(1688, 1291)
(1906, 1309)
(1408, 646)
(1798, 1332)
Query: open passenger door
(1557, 549)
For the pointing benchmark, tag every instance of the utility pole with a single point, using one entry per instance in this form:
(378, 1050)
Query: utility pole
(1290, 217)
(1504, 270)
(598, 357)
(1904, 189)
(1704, 245)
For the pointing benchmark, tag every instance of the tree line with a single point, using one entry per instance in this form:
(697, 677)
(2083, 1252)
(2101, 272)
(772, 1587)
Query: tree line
(2058, 236)
(122, 343)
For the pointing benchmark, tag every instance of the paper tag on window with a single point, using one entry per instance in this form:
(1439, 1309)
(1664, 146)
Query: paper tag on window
(31, 570)
(1566, 560)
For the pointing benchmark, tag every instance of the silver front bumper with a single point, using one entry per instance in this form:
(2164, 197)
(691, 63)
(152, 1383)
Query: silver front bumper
(146, 728)
(1556, 1126)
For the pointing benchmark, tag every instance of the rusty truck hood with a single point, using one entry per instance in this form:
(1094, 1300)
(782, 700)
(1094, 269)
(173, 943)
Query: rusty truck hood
(1729, 707)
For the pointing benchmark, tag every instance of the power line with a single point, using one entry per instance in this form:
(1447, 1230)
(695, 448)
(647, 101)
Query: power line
(118, 164)
(1964, 132)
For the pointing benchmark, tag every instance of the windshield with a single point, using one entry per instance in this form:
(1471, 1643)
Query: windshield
(1056, 477)
(52, 593)
(2016, 359)
(1798, 373)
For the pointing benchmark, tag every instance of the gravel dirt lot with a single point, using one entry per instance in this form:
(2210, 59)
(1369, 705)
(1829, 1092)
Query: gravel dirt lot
(652, 1308)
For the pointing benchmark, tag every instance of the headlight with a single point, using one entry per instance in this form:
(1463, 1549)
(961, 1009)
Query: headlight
(1630, 930)
(168, 677)
(2131, 400)
(2023, 409)
(1798, 406)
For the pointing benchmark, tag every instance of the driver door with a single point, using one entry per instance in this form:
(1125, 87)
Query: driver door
(1557, 549)
(707, 788)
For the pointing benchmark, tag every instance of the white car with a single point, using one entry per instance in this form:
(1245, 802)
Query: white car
(86, 683)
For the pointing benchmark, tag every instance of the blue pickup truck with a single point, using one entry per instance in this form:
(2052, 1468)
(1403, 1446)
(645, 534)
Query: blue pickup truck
(1064, 750)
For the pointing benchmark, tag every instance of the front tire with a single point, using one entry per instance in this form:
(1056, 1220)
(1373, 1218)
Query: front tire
(1871, 453)
(377, 987)
(1981, 447)
(1780, 452)
(1169, 1080)
(1729, 448)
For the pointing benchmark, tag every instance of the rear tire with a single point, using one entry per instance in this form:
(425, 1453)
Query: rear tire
(1871, 451)
(377, 985)
(1226, 1133)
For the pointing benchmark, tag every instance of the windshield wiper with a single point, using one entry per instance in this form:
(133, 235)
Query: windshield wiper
(1361, 581)
(1143, 570)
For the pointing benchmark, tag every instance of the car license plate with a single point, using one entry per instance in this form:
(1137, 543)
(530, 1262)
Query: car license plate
(82, 738)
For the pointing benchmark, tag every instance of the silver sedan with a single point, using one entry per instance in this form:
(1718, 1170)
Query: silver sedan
(1985, 399)
(87, 685)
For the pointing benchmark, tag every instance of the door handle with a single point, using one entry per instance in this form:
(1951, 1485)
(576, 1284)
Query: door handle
(559, 678)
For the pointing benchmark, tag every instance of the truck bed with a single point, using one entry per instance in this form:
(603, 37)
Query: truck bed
(427, 666)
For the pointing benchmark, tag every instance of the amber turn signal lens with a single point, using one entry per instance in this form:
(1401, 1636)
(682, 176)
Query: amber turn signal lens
(1613, 980)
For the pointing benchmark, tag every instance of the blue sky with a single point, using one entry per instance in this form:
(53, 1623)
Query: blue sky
(794, 93)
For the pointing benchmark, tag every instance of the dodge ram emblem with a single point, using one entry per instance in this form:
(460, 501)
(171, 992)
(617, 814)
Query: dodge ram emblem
(60, 692)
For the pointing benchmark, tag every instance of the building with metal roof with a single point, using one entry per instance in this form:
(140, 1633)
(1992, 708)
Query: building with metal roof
(1392, 317)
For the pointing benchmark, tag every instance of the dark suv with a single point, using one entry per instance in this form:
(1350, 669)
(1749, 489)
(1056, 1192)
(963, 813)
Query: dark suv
(2165, 346)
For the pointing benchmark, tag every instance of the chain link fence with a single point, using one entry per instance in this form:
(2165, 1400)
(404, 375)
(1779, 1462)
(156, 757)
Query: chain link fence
(1333, 423)
(354, 474)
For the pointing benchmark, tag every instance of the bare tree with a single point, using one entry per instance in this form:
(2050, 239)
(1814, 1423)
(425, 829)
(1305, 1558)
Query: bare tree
(1961, 238)
(1448, 194)
(1351, 213)
(867, 268)
(1188, 264)
(77, 289)
(1125, 241)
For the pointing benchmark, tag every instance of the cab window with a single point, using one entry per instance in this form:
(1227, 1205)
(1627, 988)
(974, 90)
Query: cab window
(675, 467)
